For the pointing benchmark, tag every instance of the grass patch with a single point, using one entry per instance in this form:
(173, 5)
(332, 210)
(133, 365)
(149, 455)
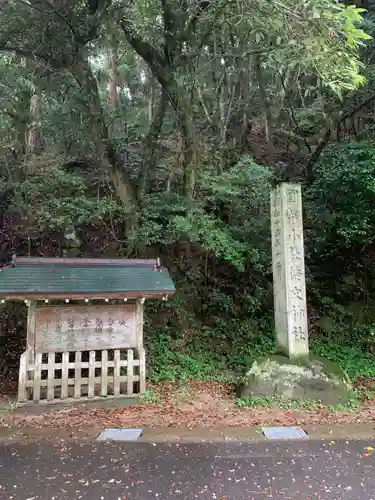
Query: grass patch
(169, 364)
(150, 397)
(353, 360)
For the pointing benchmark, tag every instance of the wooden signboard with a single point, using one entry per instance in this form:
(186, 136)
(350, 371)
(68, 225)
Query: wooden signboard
(85, 328)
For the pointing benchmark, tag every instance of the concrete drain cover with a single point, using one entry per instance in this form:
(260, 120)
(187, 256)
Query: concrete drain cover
(284, 433)
(120, 435)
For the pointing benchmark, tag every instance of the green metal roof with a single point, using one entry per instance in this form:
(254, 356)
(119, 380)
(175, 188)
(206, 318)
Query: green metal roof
(46, 277)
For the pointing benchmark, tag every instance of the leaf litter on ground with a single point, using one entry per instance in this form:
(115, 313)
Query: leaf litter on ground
(192, 404)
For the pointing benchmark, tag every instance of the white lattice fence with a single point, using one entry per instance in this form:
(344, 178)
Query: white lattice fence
(54, 377)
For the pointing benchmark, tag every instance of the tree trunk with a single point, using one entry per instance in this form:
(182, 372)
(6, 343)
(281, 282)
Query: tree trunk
(180, 102)
(34, 133)
(113, 79)
(105, 149)
(189, 154)
(151, 144)
(178, 97)
(267, 113)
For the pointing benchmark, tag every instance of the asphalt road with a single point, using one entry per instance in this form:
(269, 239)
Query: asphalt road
(223, 471)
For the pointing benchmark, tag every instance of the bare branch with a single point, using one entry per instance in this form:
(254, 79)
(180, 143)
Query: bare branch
(327, 135)
(50, 63)
(292, 112)
(204, 107)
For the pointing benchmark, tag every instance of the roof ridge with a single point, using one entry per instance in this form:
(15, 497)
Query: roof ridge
(33, 278)
(87, 262)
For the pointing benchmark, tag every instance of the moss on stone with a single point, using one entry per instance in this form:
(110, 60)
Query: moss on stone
(303, 378)
(330, 368)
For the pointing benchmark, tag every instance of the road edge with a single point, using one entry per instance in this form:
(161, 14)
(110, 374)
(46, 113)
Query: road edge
(188, 435)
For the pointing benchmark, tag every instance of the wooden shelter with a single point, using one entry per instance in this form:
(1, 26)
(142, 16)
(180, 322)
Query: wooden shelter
(84, 325)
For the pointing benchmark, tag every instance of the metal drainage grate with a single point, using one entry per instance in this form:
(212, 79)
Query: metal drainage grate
(120, 435)
(284, 433)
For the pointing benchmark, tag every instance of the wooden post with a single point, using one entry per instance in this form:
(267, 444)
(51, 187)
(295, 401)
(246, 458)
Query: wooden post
(51, 377)
(116, 373)
(142, 371)
(31, 331)
(130, 372)
(65, 375)
(37, 377)
(22, 378)
(77, 375)
(104, 378)
(139, 310)
(91, 382)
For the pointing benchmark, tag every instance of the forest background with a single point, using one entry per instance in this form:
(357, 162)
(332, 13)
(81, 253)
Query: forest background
(147, 128)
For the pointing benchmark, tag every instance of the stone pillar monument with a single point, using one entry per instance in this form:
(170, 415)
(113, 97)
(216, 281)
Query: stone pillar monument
(292, 373)
(289, 271)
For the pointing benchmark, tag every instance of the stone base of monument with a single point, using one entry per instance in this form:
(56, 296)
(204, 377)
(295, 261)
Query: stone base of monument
(311, 379)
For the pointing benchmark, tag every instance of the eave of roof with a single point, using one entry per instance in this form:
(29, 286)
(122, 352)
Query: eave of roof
(55, 278)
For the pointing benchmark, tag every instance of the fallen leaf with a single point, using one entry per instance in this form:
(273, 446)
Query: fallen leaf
(210, 405)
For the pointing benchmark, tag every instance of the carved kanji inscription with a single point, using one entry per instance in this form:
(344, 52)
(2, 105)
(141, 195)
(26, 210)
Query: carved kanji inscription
(91, 327)
(288, 270)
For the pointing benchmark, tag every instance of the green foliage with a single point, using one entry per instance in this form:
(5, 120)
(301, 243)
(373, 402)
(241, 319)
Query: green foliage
(241, 195)
(59, 198)
(205, 359)
(352, 359)
(242, 192)
(170, 364)
(150, 397)
(346, 20)
(352, 323)
(340, 200)
(321, 37)
(287, 62)
(168, 219)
